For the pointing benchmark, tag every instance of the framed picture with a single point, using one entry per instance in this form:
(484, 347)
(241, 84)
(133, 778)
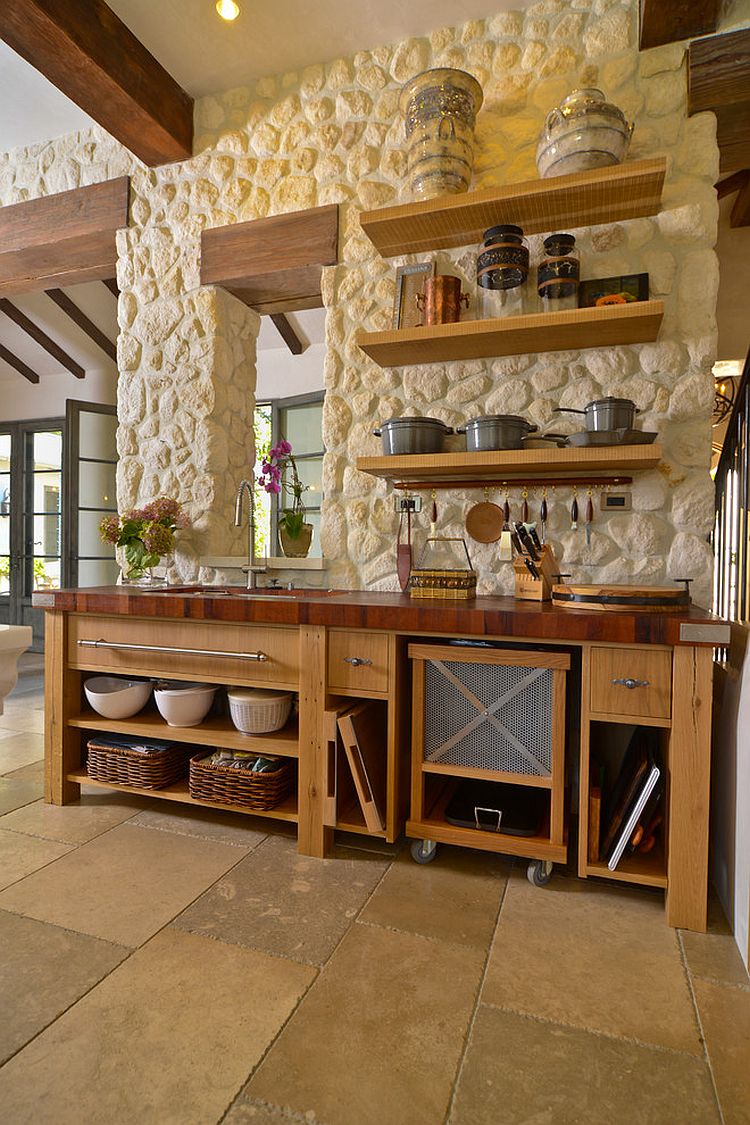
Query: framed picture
(613, 290)
(410, 281)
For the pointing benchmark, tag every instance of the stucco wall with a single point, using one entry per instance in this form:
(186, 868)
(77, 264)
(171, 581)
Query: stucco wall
(334, 134)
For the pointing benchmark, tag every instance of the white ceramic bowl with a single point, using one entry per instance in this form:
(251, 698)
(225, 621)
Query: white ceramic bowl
(183, 704)
(115, 697)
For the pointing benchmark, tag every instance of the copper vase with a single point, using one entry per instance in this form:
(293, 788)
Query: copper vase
(440, 303)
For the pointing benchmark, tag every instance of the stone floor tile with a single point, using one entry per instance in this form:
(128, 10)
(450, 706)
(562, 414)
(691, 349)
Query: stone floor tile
(17, 791)
(725, 1015)
(168, 1038)
(75, 823)
(43, 970)
(286, 903)
(22, 717)
(519, 1071)
(454, 898)
(34, 770)
(715, 953)
(21, 855)
(206, 824)
(123, 886)
(21, 749)
(379, 1036)
(592, 956)
(249, 1111)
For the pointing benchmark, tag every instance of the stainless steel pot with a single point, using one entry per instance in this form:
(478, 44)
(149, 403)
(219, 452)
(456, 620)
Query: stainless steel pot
(606, 413)
(495, 431)
(412, 435)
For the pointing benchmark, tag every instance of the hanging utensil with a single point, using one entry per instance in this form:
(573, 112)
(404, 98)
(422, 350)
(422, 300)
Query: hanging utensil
(543, 517)
(574, 511)
(505, 553)
(525, 506)
(589, 516)
(433, 515)
(484, 522)
(404, 550)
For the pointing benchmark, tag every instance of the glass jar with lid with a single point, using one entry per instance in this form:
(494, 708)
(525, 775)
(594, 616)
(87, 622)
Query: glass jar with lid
(559, 273)
(502, 272)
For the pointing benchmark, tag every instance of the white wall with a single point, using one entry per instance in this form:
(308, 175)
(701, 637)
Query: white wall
(21, 401)
(281, 374)
(732, 317)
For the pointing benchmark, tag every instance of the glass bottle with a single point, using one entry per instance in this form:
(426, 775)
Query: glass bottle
(558, 274)
(502, 272)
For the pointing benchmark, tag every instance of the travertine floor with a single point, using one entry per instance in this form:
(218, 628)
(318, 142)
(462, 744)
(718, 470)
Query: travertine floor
(164, 967)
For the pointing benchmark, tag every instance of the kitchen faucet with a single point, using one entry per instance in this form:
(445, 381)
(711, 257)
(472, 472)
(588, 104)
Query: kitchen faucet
(251, 570)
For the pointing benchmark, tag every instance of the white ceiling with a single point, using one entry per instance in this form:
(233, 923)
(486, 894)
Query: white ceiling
(31, 108)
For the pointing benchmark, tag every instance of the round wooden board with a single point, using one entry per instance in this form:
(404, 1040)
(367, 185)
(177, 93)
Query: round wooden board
(639, 599)
(484, 522)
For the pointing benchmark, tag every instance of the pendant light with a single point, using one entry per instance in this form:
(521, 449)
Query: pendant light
(228, 9)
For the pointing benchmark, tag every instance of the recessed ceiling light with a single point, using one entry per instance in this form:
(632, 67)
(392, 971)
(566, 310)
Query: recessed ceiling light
(227, 9)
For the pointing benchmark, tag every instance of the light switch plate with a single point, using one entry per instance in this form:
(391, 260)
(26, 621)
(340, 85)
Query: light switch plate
(617, 501)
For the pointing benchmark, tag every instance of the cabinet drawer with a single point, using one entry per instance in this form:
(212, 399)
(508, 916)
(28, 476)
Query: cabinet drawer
(158, 645)
(633, 682)
(357, 660)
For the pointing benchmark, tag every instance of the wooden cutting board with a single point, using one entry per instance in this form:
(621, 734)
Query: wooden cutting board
(364, 739)
(638, 599)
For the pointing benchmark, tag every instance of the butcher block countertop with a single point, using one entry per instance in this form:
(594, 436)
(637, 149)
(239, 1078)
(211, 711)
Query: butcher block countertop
(393, 612)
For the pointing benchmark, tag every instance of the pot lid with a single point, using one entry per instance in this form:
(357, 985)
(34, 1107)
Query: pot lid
(492, 419)
(408, 421)
(503, 229)
(610, 401)
(559, 240)
(256, 695)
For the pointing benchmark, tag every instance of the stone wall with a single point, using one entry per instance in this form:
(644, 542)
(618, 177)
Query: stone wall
(333, 133)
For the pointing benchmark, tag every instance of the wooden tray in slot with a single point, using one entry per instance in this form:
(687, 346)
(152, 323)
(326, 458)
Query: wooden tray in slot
(363, 735)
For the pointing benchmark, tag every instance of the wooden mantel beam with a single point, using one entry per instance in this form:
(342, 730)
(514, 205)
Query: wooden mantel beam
(85, 50)
(668, 21)
(62, 239)
(719, 80)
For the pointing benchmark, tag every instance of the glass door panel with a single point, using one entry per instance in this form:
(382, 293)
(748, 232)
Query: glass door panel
(92, 468)
(5, 550)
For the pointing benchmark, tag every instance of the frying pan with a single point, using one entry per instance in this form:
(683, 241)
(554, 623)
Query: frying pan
(484, 522)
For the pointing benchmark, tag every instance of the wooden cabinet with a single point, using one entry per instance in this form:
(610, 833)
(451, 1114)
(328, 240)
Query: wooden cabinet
(358, 661)
(630, 684)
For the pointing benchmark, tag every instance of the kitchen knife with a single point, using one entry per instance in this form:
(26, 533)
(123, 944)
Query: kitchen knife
(531, 568)
(527, 541)
(531, 528)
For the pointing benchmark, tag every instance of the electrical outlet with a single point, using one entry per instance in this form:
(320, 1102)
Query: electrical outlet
(617, 501)
(407, 503)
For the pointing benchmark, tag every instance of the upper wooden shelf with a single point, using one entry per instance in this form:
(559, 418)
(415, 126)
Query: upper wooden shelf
(505, 464)
(636, 323)
(605, 195)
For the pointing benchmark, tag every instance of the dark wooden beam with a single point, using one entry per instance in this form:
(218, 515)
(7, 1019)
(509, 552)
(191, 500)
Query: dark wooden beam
(287, 333)
(112, 286)
(40, 337)
(85, 50)
(668, 21)
(63, 301)
(740, 216)
(20, 366)
(273, 264)
(732, 183)
(719, 80)
(62, 239)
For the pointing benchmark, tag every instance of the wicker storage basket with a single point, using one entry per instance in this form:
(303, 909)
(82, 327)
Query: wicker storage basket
(443, 571)
(117, 762)
(259, 710)
(226, 785)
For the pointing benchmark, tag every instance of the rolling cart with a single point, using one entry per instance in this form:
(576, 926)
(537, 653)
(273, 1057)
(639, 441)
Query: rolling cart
(488, 753)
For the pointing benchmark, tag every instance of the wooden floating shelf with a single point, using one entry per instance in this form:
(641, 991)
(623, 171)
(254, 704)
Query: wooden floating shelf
(636, 323)
(285, 810)
(507, 464)
(604, 195)
(214, 731)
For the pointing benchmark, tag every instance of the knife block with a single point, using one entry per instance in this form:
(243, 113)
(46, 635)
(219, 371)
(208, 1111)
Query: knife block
(532, 589)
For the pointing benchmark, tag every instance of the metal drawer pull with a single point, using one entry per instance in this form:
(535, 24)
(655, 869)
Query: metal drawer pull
(632, 683)
(356, 661)
(259, 656)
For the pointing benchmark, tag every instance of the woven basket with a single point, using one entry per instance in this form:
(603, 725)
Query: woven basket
(255, 711)
(443, 584)
(122, 765)
(225, 785)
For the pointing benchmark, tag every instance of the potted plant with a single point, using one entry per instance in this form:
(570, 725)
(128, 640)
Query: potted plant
(279, 470)
(146, 534)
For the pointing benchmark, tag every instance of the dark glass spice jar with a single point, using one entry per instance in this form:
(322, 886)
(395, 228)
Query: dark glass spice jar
(502, 271)
(559, 273)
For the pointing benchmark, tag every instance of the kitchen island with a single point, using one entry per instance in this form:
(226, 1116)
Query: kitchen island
(332, 648)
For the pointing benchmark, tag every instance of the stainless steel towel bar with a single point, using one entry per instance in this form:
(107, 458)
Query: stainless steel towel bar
(259, 656)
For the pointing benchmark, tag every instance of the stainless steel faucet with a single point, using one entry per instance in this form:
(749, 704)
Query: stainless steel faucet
(251, 569)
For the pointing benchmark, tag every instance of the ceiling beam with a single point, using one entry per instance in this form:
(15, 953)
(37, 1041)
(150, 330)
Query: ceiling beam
(668, 21)
(274, 264)
(62, 239)
(719, 80)
(740, 216)
(21, 367)
(63, 301)
(112, 285)
(732, 183)
(40, 337)
(287, 333)
(85, 50)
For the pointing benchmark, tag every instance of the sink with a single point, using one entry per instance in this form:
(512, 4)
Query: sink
(261, 594)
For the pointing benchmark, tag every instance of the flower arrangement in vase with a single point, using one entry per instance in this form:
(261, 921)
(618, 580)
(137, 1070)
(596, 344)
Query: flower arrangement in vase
(279, 469)
(147, 535)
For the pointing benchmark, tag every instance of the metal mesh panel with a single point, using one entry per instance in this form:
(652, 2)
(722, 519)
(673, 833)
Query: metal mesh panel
(522, 743)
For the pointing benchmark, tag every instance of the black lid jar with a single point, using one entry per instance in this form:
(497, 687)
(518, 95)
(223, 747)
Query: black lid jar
(559, 273)
(502, 271)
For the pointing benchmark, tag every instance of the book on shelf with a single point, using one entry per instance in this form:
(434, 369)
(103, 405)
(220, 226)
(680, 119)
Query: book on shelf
(635, 794)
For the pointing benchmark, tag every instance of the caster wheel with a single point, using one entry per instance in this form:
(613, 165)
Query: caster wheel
(539, 872)
(423, 851)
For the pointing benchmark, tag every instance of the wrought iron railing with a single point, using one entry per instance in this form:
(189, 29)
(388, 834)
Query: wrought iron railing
(731, 536)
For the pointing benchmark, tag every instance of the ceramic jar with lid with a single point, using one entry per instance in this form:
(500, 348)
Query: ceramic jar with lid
(502, 271)
(439, 108)
(558, 273)
(584, 131)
